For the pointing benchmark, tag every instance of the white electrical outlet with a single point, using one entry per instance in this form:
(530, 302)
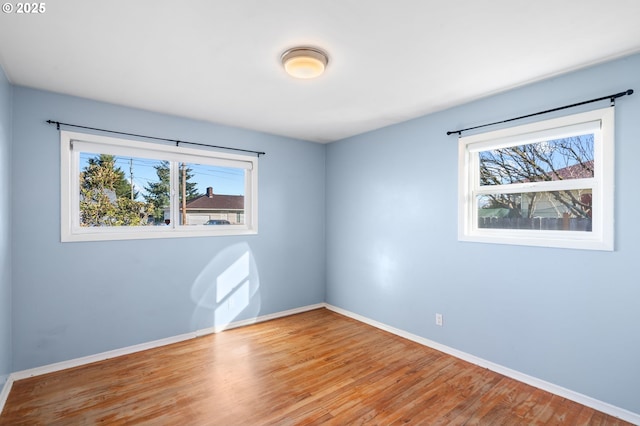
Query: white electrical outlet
(439, 320)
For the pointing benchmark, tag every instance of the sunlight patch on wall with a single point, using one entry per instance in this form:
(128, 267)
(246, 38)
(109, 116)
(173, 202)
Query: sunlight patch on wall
(237, 272)
(235, 303)
(226, 290)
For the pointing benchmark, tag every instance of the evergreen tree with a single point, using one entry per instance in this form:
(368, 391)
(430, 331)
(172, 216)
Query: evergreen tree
(120, 184)
(157, 196)
(191, 187)
(105, 196)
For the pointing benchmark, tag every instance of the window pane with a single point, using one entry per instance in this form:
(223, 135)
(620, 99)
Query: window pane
(211, 195)
(567, 158)
(549, 210)
(120, 189)
(114, 190)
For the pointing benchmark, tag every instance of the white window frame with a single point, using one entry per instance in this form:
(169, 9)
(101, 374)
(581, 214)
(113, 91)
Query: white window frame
(601, 237)
(72, 143)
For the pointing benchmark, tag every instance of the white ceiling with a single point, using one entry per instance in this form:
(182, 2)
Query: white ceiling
(390, 61)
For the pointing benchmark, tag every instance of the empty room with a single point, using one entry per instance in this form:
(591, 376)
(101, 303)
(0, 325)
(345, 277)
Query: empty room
(340, 212)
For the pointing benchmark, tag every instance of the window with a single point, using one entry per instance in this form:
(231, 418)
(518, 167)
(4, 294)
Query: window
(114, 189)
(543, 184)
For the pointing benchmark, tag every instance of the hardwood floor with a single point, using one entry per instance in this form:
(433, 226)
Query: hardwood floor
(317, 367)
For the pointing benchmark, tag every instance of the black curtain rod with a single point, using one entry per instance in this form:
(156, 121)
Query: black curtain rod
(610, 97)
(176, 141)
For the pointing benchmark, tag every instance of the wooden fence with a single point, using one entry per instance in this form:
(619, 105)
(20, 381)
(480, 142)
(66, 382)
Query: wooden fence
(538, 223)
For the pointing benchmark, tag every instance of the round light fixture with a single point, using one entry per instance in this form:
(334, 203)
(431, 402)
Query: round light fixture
(304, 62)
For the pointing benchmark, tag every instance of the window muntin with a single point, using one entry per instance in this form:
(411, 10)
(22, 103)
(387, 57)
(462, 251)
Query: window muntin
(547, 184)
(121, 189)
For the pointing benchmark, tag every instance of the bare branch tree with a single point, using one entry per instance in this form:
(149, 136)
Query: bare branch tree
(568, 158)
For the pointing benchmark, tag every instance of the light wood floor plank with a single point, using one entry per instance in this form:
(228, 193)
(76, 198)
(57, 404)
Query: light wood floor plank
(314, 368)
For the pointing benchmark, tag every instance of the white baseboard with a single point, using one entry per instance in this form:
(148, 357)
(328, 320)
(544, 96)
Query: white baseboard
(76, 362)
(6, 388)
(262, 318)
(585, 400)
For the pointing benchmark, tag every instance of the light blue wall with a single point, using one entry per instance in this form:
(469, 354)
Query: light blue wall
(569, 317)
(566, 316)
(77, 299)
(5, 228)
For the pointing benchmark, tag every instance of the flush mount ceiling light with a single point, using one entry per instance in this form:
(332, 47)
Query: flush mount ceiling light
(304, 62)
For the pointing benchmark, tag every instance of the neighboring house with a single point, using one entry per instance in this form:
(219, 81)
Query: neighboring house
(576, 171)
(212, 206)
